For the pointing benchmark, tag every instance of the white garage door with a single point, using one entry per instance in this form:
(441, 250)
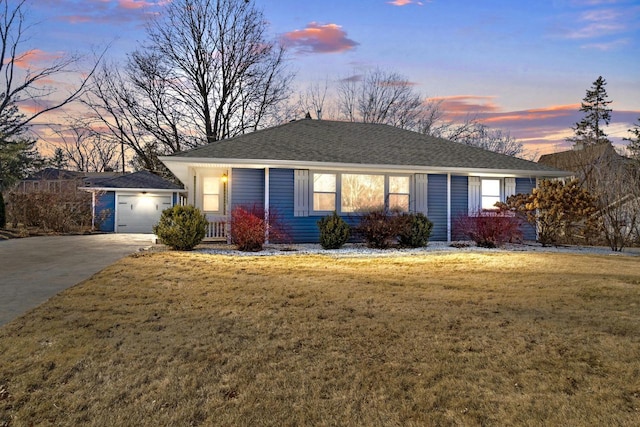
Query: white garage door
(139, 213)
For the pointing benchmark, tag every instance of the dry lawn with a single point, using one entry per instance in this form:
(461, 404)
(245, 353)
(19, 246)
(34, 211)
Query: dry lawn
(439, 339)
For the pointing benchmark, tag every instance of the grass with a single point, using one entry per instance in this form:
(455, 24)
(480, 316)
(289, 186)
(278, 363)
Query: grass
(440, 339)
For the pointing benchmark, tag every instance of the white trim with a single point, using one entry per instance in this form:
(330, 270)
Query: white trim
(448, 207)
(133, 190)
(177, 162)
(266, 203)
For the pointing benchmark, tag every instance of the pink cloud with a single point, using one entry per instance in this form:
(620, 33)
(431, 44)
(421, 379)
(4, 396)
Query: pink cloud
(27, 59)
(317, 38)
(404, 2)
(111, 11)
(541, 130)
(466, 105)
(535, 114)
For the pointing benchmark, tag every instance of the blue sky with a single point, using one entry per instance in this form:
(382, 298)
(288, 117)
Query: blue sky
(520, 66)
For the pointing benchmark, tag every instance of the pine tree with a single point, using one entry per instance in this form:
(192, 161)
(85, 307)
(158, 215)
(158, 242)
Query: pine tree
(59, 159)
(588, 131)
(634, 141)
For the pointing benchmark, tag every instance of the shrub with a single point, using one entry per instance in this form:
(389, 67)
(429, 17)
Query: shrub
(58, 211)
(379, 229)
(334, 231)
(490, 229)
(559, 210)
(181, 227)
(248, 229)
(414, 230)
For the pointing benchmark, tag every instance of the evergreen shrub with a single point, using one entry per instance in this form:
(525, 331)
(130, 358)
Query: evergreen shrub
(414, 230)
(334, 231)
(181, 227)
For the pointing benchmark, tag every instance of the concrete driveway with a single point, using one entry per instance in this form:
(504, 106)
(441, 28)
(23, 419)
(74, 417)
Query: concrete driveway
(34, 269)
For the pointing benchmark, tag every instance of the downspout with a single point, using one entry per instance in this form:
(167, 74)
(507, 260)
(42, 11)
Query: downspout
(449, 207)
(266, 204)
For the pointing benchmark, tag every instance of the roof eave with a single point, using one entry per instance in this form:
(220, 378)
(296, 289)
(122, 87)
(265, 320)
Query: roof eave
(262, 163)
(134, 190)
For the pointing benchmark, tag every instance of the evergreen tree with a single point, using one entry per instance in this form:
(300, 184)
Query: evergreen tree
(18, 154)
(634, 141)
(59, 159)
(588, 131)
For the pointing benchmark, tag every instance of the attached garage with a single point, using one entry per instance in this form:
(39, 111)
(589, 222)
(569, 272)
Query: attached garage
(132, 203)
(138, 213)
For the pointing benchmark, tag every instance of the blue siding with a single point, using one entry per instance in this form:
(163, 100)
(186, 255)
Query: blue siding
(459, 202)
(437, 206)
(526, 186)
(247, 188)
(299, 229)
(104, 215)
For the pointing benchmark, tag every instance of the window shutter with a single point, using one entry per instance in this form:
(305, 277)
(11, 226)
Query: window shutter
(509, 187)
(421, 181)
(474, 194)
(301, 192)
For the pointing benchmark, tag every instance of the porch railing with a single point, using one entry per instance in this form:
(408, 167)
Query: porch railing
(216, 230)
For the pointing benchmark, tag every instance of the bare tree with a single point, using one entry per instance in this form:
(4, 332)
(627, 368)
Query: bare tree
(381, 97)
(23, 84)
(29, 86)
(476, 134)
(220, 67)
(313, 100)
(84, 149)
(614, 181)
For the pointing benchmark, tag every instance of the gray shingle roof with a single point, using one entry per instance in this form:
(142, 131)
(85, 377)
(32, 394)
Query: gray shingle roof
(141, 179)
(357, 143)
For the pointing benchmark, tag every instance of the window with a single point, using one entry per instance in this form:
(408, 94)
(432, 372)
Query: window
(399, 187)
(490, 191)
(211, 194)
(362, 193)
(324, 192)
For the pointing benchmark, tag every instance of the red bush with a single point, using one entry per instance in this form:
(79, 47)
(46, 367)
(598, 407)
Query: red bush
(248, 229)
(490, 229)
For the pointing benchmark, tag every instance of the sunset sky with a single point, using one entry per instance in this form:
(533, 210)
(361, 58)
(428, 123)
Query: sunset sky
(522, 66)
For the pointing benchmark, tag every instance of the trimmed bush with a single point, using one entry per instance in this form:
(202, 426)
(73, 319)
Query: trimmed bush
(248, 229)
(379, 229)
(414, 230)
(334, 231)
(181, 227)
(490, 229)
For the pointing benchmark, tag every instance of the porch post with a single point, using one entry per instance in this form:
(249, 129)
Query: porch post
(266, 203)
(449, 207)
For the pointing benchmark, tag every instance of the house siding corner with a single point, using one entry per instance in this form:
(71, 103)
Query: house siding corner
(105, 208)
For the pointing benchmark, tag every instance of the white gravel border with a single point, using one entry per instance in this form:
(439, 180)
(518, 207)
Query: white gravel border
(351, 250)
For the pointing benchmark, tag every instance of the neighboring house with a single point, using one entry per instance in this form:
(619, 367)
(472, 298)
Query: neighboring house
(306, 169)
(131, 203)
(613, 179)
(584, 160)
(58, 180)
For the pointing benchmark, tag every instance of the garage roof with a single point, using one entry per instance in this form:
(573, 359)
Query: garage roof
(137, 180)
